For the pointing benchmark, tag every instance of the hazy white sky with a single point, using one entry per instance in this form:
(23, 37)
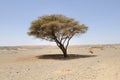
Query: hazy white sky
(101, 16)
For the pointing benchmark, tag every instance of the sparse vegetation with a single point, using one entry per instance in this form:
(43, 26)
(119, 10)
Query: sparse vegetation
(97, 47)
(91, 49)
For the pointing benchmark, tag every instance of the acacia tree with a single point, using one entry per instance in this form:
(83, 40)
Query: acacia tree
(56, 28)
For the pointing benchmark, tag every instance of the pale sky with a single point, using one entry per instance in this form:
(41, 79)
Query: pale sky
(101, 16)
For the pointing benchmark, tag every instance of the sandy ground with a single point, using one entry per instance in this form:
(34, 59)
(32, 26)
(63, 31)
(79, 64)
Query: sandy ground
(47, 63)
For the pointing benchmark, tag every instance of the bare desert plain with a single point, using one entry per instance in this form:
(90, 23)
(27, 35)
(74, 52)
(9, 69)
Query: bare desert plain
(95, 62)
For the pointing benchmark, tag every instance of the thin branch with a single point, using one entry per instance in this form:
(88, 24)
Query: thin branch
(62, 36)
(65, 40)
(61, 39)
(68, 42)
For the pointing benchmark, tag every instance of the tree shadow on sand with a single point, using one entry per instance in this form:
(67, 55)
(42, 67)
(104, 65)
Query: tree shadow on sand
(60, 56)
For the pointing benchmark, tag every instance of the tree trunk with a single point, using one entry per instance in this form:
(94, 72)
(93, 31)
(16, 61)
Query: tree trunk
(64, 52)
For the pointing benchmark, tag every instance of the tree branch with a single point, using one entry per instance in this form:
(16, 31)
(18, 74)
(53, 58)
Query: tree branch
(65, 40)
(68, 42)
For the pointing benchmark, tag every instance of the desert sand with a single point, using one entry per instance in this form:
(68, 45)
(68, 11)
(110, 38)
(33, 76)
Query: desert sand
(97, 62)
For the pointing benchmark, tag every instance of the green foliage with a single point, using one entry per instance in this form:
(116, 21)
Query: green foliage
(46, 27)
